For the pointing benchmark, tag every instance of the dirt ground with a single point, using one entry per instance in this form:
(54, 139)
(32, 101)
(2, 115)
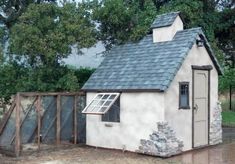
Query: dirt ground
(223, 153)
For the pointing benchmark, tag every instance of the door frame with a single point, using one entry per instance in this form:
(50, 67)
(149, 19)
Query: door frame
(207, 68)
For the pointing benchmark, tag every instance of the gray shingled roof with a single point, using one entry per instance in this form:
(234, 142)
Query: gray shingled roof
(164, 20)
(145, 65)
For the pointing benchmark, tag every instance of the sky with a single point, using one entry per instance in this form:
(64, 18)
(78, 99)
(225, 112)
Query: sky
(90, 58)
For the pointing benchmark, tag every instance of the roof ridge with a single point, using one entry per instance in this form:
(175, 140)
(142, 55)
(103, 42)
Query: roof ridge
(191, 29)
(172, 12)
(164, 20)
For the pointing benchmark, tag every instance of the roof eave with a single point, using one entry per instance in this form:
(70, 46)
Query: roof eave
(212, 55)
(153, 27)
(122, 90)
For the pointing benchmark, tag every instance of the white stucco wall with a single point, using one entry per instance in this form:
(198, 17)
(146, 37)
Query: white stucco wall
(167, 33)
(139, 114)
(181, 120)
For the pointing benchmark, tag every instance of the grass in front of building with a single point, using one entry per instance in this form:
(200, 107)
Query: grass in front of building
(228, 118)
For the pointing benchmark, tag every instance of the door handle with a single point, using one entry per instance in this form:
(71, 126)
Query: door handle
(195, 107)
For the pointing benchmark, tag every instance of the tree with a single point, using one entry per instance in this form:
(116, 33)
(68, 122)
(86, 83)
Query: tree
(9, 81)
(225, 33)
(40, 38)
(121, 21)
(45, 33)
(12, 9)
(83, 74)
(18, 78)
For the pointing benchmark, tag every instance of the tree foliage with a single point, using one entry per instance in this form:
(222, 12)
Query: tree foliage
(10, 10)
(18, 78)
(121, 21)
(40, 38)
(227, 80)
(45, 33)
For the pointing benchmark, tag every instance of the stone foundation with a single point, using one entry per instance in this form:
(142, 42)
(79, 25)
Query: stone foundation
(162, 143)
(216, 126)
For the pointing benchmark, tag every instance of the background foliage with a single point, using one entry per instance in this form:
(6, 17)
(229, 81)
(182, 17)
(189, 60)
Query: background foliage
(40, 36)
(18, 78)
(44, 34)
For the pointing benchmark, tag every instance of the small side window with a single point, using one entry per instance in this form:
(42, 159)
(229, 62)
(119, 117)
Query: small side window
(113, 115)
(184, 95)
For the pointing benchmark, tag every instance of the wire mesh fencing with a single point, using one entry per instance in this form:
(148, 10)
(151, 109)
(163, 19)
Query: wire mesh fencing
(43, 118)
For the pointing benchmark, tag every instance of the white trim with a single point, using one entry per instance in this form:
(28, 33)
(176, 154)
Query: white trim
(96, 108)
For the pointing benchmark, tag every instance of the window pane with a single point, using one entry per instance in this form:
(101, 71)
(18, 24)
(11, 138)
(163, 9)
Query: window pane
(113, 115)
(105, 96)
(94, 103)
(184, 95)
(99, 96)
(183, 89)
(112, 97)
(184, 100)
(95, 109)
(101, 103)
(107, 103)
(103, 109)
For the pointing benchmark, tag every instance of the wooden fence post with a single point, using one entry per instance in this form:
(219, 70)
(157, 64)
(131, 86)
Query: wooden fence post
(17, 124)
(58, 105)
(75, 119)
(39, 121)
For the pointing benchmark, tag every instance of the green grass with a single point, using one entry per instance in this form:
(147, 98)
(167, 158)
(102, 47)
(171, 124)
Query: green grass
(228, 118)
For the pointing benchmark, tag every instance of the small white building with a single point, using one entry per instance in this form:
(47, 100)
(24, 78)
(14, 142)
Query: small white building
(158, 96)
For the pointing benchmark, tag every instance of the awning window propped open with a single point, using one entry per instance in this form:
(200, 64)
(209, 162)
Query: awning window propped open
(101, 103)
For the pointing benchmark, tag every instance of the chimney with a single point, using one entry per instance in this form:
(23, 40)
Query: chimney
(165, 26)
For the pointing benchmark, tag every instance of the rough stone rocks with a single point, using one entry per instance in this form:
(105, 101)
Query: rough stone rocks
(216, 126)
(162, 143)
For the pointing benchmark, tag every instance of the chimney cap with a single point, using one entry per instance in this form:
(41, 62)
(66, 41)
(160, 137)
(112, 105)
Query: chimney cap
(165, 20)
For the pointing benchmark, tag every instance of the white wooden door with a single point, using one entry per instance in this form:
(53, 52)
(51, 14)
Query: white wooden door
(200, 108)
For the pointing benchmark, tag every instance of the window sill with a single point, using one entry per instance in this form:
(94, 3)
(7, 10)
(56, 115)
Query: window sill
(184, 107)
(110, 124)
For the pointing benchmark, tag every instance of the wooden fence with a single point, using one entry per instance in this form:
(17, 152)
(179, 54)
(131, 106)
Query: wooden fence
(42, 117)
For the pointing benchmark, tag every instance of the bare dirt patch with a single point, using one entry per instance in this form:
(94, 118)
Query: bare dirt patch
(81, 154)
(72, 154)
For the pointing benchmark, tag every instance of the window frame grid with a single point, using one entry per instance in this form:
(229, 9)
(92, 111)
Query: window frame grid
(86, 111)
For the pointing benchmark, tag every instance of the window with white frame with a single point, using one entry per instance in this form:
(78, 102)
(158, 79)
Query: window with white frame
(101, 103)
